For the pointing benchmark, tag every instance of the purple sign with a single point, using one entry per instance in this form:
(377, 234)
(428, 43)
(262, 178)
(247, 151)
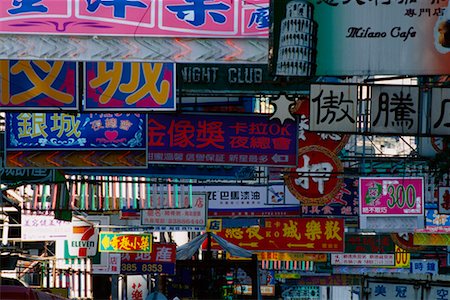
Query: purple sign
(38, 85)
(179, 18)
(381, 196)
(129, 86)
(222, 139)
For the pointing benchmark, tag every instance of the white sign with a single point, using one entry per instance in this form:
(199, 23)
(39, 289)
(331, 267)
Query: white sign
(44, 228)
(333, 108)
(194, 217)
(358, 259)
(440, 111)
(395, 109)
(383, 290)
(424, 266)
(137, 287)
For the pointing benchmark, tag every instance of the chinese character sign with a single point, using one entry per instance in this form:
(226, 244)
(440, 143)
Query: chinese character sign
(440, 111)
(290, 234)
(394, 109)
(161, 260)
(381, 196)
(38, 85)
(360, 37)
(333, 108)
(224, 139)
(194, 18)
(129, 86)
(123, 242)
(75, 131)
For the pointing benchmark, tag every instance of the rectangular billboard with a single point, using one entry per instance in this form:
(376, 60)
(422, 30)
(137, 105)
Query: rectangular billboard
(335, 38)
(222, 139)
(174, 18)
(38, 85)
(391, 196)
(129, 86)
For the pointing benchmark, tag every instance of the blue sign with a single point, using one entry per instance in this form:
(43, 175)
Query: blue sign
(112, 131)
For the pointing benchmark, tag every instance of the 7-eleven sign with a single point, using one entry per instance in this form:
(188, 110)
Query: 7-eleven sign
(83, 241)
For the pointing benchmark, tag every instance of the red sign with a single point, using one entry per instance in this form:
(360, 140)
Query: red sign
(289, 234)
(160, 253)
(317, 178)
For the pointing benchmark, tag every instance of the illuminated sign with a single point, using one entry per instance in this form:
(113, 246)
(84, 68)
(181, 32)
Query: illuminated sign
(125, 242)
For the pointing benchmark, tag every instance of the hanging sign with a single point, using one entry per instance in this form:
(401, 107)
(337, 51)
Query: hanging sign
(129, 86)
(124, 242)
(38, 85)
(160, 260)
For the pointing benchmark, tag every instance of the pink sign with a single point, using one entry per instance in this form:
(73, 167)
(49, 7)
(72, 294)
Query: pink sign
(178, 18)
(381, 196)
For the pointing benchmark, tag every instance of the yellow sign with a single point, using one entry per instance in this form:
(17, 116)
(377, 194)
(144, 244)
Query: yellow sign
(214, 225)
(402, 258)
(125, 242)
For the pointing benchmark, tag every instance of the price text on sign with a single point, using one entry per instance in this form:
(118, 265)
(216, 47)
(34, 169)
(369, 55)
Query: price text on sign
(391, 196)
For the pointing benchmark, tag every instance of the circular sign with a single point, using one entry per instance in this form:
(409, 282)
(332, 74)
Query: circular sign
(317, 178)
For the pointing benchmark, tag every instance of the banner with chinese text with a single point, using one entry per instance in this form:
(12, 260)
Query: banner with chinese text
(161, 260)
(212, 18)
(38, 85)
(124, 242)
(129, 86)
(312, 235)
(222, 139)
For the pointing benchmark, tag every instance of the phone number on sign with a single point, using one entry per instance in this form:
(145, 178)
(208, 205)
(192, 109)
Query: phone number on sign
(147, 268)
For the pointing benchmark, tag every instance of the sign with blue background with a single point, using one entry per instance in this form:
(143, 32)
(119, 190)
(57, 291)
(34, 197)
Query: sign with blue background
(27, 131)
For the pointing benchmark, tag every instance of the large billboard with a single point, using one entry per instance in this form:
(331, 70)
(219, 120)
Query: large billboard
(178, 18)
(335, 38)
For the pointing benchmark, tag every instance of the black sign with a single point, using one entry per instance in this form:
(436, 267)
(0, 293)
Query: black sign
(233, 79)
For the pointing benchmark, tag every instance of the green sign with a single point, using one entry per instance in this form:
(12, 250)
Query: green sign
(234, 79)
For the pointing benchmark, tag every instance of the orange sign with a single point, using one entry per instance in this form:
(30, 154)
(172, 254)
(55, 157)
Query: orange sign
(289, 234)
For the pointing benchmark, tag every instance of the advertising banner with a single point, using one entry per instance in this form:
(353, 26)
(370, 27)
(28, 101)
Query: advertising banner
(182, 219)
(124, 242)
(129, 86)
(161, 260)
(368, 37)
(290, 234)
(248, 200)
(222, 139)
(38, 85)
(390, 196)
(212, 18)
(44, 131)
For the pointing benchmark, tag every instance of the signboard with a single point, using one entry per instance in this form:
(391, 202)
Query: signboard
(179, 18)
(330, 280)
(83, 240)
(124, 242)
(333, 108)
(10, 175)
(356, 259)
(363, 243)
(160, 260)
(40, 227)
(431, 239)
(290, 234)
(248, 200)
(44, 131)
(425, 266)
(129, 86)
(38, 85)
(232, 79)
(221, 139)
(440, 111)
(316, 180)
(183, 219)
(369, 37)
(292, 256)
(390, 196)
(395, 110)
(385, 290)
(444, 200)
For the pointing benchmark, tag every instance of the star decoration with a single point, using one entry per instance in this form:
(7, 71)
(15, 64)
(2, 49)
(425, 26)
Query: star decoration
(282, 107)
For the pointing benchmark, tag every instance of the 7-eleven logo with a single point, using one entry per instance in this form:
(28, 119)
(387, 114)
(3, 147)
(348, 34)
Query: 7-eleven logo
(83, 242)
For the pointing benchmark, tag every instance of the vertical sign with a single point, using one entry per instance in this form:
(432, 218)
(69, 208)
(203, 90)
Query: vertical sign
(395, 110)
(333, 108)
(440, 111)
